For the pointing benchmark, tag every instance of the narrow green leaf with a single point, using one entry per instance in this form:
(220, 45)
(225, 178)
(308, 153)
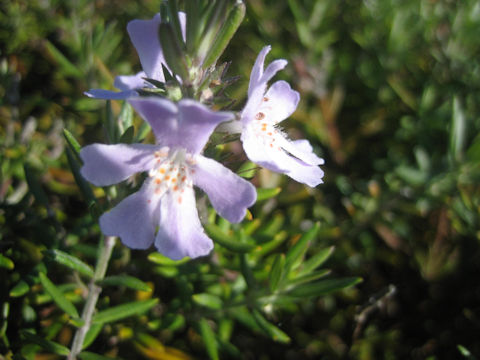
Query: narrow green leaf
(173, 322)
(273, 226)
(458, 130)
(20, 289)
(72, 142)
(209, 340)
(47, 345)
(127, 136)
(70, 261)
(323, 287)
(6, 262)
(35, 187)
(226, 241)
(175, 21)
(160, 259)
(122, 311)
(316, 260)
(276, 274)
(225, 34)
(213, 24)
(158, 84)
(265, 194)
(91, 335)
(271, 330)
(66, 65)
(312, 276)
(296, 253)
(85, 188)
(208, 300)
(192, 10)
(247, 170)
(57, 296)
(86, 355)
(111, 126)
(125, 280)
(225, 328)
(126, 116)
(276, 240)
(172, 51)
(247, 271)
(142, 132)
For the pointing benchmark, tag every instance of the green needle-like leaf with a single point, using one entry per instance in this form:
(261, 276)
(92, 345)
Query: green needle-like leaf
(47, 345)
(125, 310)
(323, 287)
(20, 289)
(57, 296)
(316, 260)
(265, 194)
(271, 330)
(70, 261)
(86, 355)
(225, 34)
(296, 253)
(174, 56)
(85, 188)
(226, 240)
(209, 340)
(208, 300)
(6, 262)
(72, 142)
(127, 136)
(125, 280)
(35, 186)
(276, 274)
(92, 334)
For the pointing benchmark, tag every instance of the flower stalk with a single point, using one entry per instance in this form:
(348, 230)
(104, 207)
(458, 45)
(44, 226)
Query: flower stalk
(94, 291)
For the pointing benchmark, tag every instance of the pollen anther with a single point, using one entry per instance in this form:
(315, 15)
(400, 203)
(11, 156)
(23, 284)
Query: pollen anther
(260, 116)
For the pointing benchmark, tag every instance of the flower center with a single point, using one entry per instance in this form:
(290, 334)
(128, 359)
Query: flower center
(171, 172)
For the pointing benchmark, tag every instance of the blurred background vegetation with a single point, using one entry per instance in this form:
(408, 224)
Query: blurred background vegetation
(390, 98)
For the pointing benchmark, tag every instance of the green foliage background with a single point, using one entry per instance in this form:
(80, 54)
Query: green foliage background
(390, 98)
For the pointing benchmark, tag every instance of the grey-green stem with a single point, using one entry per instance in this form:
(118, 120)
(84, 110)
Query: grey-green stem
(93, 294)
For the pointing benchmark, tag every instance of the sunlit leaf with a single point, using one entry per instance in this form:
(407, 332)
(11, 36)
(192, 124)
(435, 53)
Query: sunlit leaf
(208, 300)
(6, 262)
(209, 340)
(20, 289)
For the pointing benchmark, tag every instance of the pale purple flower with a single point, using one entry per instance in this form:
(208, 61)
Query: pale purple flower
(145, 39)
(166, 199)
(263, 140)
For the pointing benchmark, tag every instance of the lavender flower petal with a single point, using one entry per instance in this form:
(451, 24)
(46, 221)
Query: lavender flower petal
(188, 124)
(110, 95)
(281, 101)
(144, 36)
(109, 164)
(130, 82)
(180, 233)
(229, 194)
(133, 220)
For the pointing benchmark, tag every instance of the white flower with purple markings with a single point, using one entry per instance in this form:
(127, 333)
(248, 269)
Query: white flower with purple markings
(263, 140)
